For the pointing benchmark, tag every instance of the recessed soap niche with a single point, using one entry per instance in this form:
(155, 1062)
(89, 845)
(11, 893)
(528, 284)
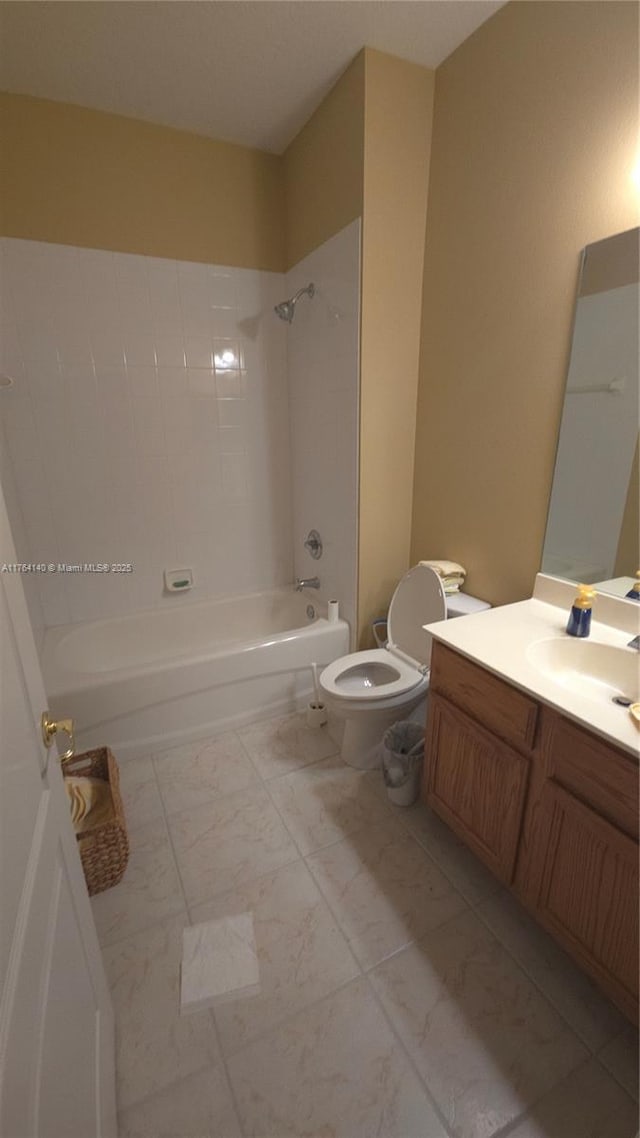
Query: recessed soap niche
(178, 580)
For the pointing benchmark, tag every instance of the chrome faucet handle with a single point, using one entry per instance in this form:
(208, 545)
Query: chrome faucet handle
(313, 544)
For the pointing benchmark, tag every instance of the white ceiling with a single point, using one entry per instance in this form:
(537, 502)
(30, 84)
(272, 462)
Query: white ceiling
(248, 71)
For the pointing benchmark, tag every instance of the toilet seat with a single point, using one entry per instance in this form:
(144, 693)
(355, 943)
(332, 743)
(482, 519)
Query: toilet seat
(381, 677)
(339, 679)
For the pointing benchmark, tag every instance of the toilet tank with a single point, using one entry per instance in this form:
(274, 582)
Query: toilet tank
(462, 604)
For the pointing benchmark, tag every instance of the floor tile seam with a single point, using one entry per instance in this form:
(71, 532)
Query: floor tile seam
(563, 1021)
(475, 907)
(333, 842)
(281, 774)
(366, 969)
(227, 1075)
(429, 852)
(404, 1050)
(529, 1111)
(613, 1075)
(294, 770)
(216, 796)
(189, 905)
(259, 876)
(173, 853)
(282, 1022)
(521, 968)
(281, 816)
(443, 870)
(259, 781)
(316, 849)
(297, 770)
(156, 923)
(159, 751)
(593, 1052)
(434, 861)
(243, 883)
(345, 936)
(206, 1067)
(632, 1098)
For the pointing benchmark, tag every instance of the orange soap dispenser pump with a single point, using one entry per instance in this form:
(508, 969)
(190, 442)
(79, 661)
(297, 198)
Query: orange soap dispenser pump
(579, 623)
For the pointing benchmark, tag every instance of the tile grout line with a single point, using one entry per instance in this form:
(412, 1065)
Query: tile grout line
(612, 1074)
(529, 1111)
(170, 836)
(413, 1065)
(473, 906)
(277, 1025)
(156, 923)
(187, 910)
(227, 1075)
(365, 973)
(594, 1053)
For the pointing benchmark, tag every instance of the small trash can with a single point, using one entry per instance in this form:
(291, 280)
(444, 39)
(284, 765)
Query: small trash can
(402, 754)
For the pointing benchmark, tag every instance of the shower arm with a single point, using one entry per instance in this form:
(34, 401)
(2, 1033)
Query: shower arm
(308, 289)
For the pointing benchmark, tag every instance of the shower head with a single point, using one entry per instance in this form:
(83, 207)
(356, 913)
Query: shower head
(287, 308)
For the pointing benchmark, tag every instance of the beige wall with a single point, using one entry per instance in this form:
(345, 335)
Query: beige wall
(365, 152)
(82, 177)
(323, 167)
(534, 140)
(397, 142)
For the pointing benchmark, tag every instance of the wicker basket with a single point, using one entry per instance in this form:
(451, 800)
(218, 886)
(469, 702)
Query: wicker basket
(104, 850)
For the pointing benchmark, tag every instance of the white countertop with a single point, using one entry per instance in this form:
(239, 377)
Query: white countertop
(499, 640)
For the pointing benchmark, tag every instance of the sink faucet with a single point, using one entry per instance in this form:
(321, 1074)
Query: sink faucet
(635, 643)
(307, 583)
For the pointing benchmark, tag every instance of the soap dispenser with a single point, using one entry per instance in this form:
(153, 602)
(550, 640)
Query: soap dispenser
(579, 623)
(634, 591)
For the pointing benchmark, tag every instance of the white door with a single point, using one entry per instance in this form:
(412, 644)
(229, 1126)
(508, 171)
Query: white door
(56, 1019)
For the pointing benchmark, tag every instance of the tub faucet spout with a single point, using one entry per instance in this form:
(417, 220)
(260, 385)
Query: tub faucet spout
(307, 583)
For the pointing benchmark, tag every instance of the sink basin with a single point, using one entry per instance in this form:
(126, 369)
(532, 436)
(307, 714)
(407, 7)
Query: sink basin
(595, 671)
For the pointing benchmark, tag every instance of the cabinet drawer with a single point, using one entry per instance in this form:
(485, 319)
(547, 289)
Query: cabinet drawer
(494, 703)
(593, 770)
(477, 784)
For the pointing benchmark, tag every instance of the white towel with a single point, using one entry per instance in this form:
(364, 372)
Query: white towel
(447, 569)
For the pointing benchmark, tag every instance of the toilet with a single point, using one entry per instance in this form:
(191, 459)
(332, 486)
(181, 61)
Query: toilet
(373, 689)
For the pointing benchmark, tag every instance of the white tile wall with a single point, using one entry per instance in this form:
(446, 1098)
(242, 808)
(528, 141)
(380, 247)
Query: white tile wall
(148, 423)
(322, 365)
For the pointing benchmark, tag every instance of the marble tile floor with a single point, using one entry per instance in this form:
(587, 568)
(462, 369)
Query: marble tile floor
(402, 993)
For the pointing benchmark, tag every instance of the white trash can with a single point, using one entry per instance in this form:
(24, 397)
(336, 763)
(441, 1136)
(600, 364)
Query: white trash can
(402, 757)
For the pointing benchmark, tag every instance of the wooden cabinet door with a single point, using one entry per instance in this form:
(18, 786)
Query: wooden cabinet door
(589, 892)
(477, 785)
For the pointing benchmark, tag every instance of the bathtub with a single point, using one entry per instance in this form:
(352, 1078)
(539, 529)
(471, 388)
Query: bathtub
(165, 677)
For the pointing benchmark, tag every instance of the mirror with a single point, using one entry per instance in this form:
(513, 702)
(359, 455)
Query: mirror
(593, 525)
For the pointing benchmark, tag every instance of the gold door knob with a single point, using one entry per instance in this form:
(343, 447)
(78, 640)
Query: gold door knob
(51, 727)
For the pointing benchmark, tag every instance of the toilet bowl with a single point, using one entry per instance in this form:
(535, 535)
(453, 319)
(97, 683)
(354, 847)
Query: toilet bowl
(371, 690)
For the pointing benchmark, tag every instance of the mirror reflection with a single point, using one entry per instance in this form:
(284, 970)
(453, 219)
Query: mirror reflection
(593, 524)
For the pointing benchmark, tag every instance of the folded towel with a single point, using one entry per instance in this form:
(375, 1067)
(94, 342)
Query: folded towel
(90, 801)
(449, 569)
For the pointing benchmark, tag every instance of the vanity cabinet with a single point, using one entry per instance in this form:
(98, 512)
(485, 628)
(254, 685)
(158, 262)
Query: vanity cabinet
(551, 809)
(477, 784)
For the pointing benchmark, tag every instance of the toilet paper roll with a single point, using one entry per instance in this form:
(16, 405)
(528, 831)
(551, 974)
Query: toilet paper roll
(333, 611)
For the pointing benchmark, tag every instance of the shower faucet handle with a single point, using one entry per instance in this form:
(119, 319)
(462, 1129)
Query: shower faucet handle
(313, 544)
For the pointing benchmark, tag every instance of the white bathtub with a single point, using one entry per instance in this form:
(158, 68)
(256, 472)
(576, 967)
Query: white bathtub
(164, 677)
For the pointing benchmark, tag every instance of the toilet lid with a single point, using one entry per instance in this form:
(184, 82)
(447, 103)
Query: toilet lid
(419, 599)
